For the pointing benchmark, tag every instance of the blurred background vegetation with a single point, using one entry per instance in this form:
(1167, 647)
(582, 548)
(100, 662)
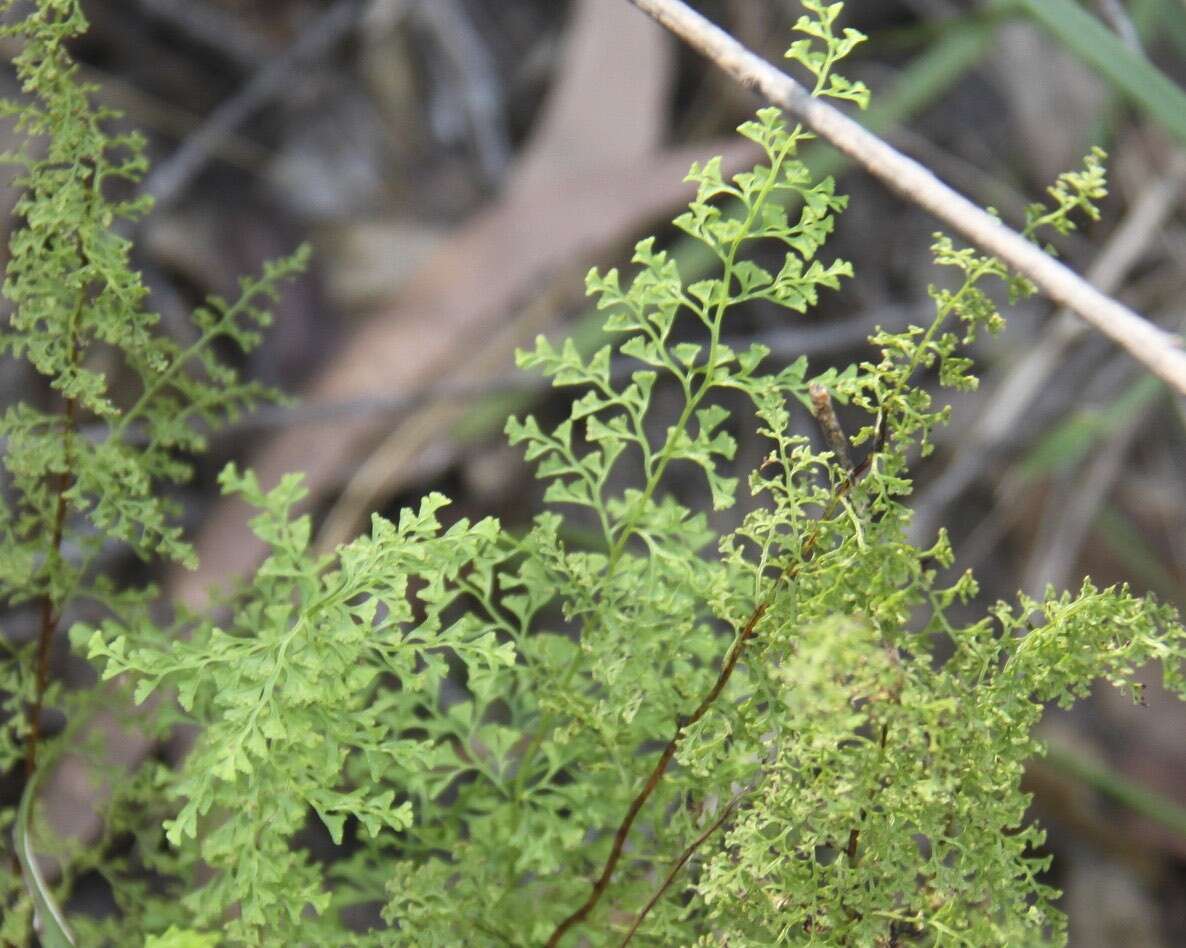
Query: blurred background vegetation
(458, 166)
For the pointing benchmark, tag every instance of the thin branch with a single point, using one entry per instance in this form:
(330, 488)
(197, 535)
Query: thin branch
(50, 612)
(1026, 375)
(747, 633)
(658, 771)
(683, 860)
(1160, 351)
(49, 615)
(825, 416)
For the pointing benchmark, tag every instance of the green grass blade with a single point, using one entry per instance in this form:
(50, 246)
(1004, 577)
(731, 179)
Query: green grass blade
(1071, 440)
(1152, 806)
(53, 930)
(1125, 69)
(1130, 545)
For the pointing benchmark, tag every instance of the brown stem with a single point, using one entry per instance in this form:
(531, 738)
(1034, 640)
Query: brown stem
(656, 775)
(854, 838)
(825, 415)
(726, 673)
(682, 861)
(49, 615)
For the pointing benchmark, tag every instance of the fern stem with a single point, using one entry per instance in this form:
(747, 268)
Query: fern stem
(171, 371)
(49, 612)
(807, 551)
(48, 622)
(706, 384)
(691, 403)
(689, 851)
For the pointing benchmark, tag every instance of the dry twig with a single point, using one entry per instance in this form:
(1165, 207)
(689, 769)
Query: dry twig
(1155, 348)
(1015, 393)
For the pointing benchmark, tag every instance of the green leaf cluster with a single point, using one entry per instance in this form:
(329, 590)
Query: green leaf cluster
(297, 690)
(448, 732)
(124, 406)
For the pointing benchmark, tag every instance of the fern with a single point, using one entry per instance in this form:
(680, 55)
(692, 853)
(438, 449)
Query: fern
(77, 311)
(621, 721)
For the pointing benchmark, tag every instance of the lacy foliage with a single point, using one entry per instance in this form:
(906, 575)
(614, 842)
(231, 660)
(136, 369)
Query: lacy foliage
(470, 712)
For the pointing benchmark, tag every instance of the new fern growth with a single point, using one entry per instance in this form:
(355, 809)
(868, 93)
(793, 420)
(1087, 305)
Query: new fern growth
(620, 723)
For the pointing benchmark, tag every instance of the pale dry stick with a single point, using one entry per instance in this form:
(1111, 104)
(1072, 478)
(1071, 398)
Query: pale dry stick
(1158, 350)
(1013, 396)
